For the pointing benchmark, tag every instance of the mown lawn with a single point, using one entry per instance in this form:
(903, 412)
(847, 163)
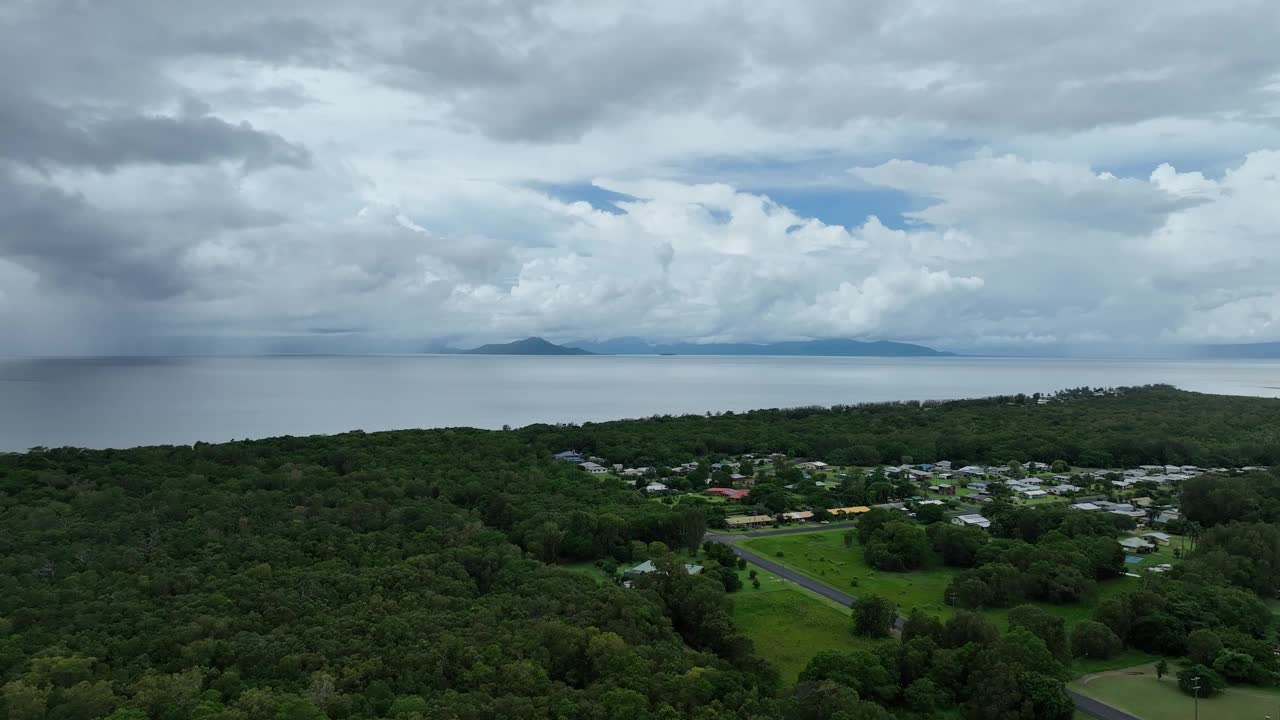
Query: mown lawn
(1150, 699)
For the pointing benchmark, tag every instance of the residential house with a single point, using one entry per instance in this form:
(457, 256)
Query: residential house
(593, 468)
(1158, 537)
(1135, 544)
(748, 521)
(813, 465)
(930, 502)
(891, 506)
(971, 521)
(1064, 489)
(1168, 516)
(647, 567)
(1086, 507)
(569, 455)
(1033, 494)
(852, 510)
(656, 487)
(971, 471)
(1142, 501)
(943, 464)
(798, 516)
(945, 489)
(729, 493)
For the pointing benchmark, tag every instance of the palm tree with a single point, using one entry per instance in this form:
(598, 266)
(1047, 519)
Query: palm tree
(1194, 530)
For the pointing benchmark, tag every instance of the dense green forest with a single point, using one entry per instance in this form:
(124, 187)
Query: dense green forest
(1122, 428)
(415, 574)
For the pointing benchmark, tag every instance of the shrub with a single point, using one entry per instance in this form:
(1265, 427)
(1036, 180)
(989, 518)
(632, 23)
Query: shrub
(1093, 640)
(1203, 647)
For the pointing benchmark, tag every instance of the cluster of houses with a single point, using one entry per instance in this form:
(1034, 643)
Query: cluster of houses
(944, 481)
(599, 466)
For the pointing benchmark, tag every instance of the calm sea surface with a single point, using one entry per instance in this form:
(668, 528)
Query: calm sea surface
(119, 402)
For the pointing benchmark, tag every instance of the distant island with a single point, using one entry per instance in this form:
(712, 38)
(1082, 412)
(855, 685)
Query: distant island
(831, 348)
(527, 346)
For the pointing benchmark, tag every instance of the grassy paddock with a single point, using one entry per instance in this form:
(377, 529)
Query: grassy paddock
(823, 556)
(1140, 694)
(789, 626)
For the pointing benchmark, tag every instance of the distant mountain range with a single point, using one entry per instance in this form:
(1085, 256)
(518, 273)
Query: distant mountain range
(831, 348)
(527, 346)
(637, 346)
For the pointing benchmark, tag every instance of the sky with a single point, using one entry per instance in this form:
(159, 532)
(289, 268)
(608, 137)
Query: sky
(989, 175)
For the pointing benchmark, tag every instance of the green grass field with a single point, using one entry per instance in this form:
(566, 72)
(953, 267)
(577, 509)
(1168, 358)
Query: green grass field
(823, 556)
(789, 625)
(1149, 699)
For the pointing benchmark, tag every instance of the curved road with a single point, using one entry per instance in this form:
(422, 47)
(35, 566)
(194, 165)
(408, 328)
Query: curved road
(1084, 703)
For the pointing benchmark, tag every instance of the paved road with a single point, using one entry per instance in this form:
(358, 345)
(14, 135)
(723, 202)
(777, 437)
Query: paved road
(816, 527)
(1098, 709)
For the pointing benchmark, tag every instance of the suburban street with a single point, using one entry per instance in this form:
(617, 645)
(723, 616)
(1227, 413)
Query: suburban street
(1083, 703)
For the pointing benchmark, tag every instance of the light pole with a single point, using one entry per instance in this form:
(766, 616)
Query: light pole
(1195, 693)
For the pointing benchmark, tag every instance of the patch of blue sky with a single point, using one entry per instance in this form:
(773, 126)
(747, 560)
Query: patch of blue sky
(598, 197)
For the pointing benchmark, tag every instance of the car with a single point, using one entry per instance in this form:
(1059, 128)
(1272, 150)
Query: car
(824, 522)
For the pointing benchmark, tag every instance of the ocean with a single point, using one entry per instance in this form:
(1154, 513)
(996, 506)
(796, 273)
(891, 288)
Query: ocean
(124, 402)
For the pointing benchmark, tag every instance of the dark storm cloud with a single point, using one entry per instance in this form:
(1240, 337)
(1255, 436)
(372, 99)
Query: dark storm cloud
(41, 135)
(75, 247)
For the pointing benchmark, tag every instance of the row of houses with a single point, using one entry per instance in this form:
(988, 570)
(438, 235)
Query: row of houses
(802, 516)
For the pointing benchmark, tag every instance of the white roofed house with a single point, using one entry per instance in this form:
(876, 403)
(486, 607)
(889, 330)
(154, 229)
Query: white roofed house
(656, 487)
(1032, 494)
(971, 521)
(593, 467)
(1086, 507)
(1064, 489)
(1138, 545)
(971, 471)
